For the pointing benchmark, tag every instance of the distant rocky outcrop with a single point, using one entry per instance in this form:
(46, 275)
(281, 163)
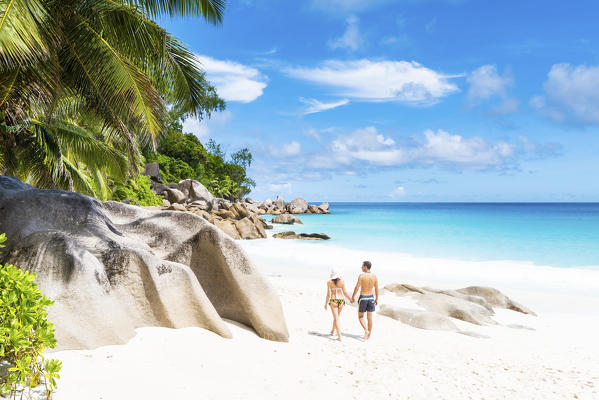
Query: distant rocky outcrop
(439, 308)
(286, 219)
(297, 206)
(190, 195)
(111, 268)
(303, 236)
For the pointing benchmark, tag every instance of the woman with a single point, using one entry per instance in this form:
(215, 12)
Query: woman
(335, 292)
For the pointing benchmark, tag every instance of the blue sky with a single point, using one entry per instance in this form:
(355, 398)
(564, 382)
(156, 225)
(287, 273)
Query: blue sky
(407, 100)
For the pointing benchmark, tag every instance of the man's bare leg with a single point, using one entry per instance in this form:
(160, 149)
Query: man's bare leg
(369, 324)
(363, 323)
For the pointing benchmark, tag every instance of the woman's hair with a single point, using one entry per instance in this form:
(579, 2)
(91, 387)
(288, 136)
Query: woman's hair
(335, 280)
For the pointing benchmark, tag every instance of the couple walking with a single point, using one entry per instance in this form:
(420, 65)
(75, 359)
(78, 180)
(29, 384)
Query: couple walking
(367, 284)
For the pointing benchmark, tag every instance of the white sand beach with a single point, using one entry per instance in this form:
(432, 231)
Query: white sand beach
(552, 356)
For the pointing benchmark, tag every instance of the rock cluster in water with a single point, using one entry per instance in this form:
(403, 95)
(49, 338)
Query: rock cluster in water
(303, 236)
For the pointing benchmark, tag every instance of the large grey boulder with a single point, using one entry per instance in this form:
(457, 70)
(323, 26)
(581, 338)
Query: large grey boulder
(286, 219)
(194, 191)
(177, 207)
(279, 203)
(152, 170)
(495, 298)
(228, 227)
(111, 268)
(158, 188)
(439, 308)
(248, 229)
(239, 210)
(312, 209)
(201, 204)
(175, 196)
(254, 209)
(421, 320)
(297, 206)
(273, 211)
(259, 224)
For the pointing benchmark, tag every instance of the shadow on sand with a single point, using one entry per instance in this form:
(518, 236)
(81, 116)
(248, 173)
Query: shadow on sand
(334, 337)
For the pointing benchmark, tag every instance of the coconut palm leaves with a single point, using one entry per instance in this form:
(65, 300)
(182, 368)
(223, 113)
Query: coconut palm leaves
(211, 10)
(84, 82)
(23, 31)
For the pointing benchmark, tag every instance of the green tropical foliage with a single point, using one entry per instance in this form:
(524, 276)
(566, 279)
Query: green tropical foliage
(85, 83)
(182, 156)
(138, 190)
(24, 333)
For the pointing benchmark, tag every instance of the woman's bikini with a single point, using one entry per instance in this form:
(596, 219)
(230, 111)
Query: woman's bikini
(338, 300)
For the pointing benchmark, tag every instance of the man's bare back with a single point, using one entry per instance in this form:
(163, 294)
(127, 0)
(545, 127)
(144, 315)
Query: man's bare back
(367, 281)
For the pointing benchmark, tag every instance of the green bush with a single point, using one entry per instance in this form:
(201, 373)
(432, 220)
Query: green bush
(182, 156)
(24, 333)
(173, 170)
(137, 189)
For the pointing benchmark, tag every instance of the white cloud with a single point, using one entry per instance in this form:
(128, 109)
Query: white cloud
(402, 40)
(455, 149)
(433, 148)
(198, 128)
(368, 80)
(398, 192)
(485, 82)
(286, 150)
(351, 39)
(315, 106)
(571, 94)
(277, 187)
(508, 106)
(313, 133)
(233, 81)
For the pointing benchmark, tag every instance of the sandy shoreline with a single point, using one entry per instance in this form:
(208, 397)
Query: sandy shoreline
(552, 356)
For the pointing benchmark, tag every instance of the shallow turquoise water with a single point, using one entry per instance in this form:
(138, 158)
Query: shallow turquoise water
(555, 234)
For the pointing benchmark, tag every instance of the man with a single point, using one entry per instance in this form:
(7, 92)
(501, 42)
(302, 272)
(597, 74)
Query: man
(367, 283)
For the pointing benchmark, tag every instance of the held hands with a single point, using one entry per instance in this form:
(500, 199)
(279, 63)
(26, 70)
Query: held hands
(353, 300)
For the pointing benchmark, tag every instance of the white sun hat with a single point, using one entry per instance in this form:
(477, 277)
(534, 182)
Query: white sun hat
(335, 274)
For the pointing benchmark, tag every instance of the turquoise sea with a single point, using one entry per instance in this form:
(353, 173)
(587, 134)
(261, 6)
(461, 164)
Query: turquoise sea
(554, 234)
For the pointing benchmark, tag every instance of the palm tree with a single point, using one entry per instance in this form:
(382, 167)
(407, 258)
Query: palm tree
(83, 83)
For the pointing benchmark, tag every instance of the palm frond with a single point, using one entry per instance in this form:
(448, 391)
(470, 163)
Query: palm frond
(78, 144)
(79, 181)
(97, 67)
(100, 185)
(24, 26)
(172, 69)
(211, 10)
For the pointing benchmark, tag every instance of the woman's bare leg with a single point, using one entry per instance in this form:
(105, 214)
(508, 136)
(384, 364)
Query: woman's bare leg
(335, 312)
(339, 308)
